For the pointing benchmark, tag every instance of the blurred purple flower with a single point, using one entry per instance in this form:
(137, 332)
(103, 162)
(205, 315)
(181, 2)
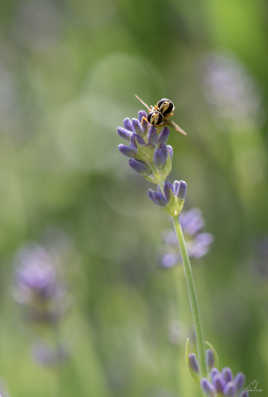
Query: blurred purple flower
(229, 88)
(222, 383)
(198, 242)
(37, 285)
(49, 356)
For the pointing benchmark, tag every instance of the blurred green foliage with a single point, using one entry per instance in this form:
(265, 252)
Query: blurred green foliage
(68, 74)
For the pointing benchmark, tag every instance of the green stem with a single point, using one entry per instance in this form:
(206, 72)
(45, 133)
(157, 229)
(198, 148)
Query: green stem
(192, 297)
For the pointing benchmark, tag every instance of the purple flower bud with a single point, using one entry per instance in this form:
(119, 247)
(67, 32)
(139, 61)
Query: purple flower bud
(218, 383)
(182, 190)
(170, 150)
(128, 151)
(227, 374)
(124, 133)
(157, 197)
(137, 126)
(193, 362)
(139, 166)
(210, 358)
(167, 190)
(160, 155)
(127, 124)
(141, 114)
(214, 372)
(152, 135)
(229, 389)
(175, 187)
(163, 136)
(239, 380)
(207, 386)
(169, 260)
(136, 139)
(244, 394)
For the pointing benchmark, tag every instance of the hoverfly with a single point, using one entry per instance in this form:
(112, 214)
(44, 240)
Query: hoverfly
(159, 114)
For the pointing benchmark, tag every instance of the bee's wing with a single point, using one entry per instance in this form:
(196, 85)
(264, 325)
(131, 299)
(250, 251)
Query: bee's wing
(143, 103)
(177, 127)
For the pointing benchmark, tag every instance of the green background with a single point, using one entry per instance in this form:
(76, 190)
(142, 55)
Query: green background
(68, 74)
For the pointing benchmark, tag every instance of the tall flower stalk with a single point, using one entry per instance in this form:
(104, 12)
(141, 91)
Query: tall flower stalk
(150, 156)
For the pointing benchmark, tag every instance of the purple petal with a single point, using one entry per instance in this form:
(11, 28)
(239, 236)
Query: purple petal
(175, 188)
(127, 150)
(227, 374)
(192, 221)
(124, 133)
(229, 389)
(163, 136)
(167, 190)
(214, 372)
(137, 126)
(218, 383)
(139, 166)
(160, 155)
(141, 114)
(152, 135)
(170, 150)
(193, 362)
(182, 190)
(200, 244)
(127, 124)
(157, 197)
(169, 260)
(210, 358)
(207, 386)
(239, 380)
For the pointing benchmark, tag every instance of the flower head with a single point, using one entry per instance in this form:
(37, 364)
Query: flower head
(37, 285)
(198, 242)
(222, 383)
(148, 153)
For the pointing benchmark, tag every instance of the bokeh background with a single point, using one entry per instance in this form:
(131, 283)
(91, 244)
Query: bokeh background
(68, 74)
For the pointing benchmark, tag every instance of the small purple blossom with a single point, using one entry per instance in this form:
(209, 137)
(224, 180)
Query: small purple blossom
(198, 242)
(37, 287)
(221, 383)
(193, 363)
(49, 356)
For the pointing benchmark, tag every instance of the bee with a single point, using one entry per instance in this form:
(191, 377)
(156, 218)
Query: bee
(159, 114)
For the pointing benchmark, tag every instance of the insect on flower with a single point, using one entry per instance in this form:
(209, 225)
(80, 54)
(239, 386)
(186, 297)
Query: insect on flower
(159, 114)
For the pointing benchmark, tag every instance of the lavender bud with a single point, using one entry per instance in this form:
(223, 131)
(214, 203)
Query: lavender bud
(163, 136)
(157, 198)
(182, 190)
(227, 374)
(127, 150)
(244, 394)
(218, 382)
(167, 190)
(141, 114)
(175, 188)
(207, 386)
(127, 124)
(193, 362)
(123, 133)
(239, 380)
(214, 372)
(170, 150)
(152, 135)
(169, 260)
(139, 166)
(137, 126)
(210, 358)
(160, 156)
(137, 139)
(229, 389)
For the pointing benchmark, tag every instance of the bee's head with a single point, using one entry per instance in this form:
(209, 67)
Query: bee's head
(155, 118)
(165, 106)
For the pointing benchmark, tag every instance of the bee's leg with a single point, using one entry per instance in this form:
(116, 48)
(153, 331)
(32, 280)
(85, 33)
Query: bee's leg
(177, 127)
